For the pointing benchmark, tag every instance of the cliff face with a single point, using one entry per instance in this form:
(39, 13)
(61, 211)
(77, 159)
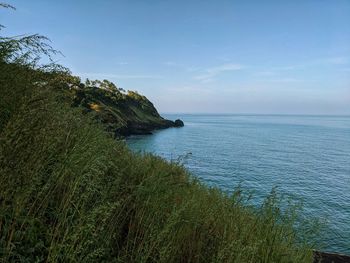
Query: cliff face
(121, 113)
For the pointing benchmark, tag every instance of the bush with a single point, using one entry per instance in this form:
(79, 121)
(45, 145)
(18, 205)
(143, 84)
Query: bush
(68, 192)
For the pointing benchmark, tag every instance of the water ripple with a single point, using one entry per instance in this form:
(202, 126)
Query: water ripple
(306, 157)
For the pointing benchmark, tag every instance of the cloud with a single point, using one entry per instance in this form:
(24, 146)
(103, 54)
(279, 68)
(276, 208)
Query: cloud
(285, 80)
(192, 69)
(265, 73)
(316, 62)
(208, 74)
(290, 67)
(93, 75)
(337, 60)
(171, 63)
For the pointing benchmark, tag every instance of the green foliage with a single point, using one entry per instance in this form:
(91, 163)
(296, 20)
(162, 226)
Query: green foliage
(25, 49)
(110, 87)
(120, 113)
(70, 193)
(135, 95)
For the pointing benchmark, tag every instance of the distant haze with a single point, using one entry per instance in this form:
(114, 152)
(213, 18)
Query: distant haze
(282, 57)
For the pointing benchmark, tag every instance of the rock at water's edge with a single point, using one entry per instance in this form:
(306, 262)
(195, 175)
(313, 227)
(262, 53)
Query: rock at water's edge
(179, 123)
(324, 257)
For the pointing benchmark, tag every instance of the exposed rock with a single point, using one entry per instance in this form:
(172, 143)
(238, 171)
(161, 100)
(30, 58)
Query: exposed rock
(179, 123)
(324, 257)
(122, 114)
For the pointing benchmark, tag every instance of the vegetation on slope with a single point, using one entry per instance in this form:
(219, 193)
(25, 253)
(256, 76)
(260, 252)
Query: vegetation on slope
(122, 113)
(69, 192)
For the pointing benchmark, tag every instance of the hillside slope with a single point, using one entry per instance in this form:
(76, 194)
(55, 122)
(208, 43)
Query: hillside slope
(69, 193)
(122, 113)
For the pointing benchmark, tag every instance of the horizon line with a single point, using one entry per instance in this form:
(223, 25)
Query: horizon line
(261, 114)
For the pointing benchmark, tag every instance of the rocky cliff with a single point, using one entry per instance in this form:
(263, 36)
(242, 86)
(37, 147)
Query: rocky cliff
(121, 113)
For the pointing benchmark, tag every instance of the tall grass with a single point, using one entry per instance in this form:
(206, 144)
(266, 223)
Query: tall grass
(70, 193)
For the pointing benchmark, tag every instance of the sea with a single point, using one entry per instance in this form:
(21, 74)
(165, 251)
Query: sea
(304, 158)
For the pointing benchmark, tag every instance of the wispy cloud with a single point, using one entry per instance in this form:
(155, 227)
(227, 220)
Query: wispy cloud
(285, 80)
(116, 76)
(337, 60)
(289, 67)
(208, 74)
(181, 66)
(316, 62)
(171, 63)
(192, 69)
(265, 73)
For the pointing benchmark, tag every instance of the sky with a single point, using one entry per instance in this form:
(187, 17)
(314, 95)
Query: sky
(265, 57)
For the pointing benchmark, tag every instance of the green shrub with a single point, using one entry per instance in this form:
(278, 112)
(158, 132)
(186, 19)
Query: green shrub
(70, 193)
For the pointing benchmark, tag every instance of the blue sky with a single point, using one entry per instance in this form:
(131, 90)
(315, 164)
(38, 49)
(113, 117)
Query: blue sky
(281, 57)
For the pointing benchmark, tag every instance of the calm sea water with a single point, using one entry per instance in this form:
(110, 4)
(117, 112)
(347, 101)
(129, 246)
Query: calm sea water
(305, 157)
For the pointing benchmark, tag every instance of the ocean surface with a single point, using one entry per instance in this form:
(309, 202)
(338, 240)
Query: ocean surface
(306, 157)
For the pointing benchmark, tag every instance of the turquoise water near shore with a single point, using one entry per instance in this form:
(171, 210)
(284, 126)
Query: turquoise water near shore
(306, 157)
